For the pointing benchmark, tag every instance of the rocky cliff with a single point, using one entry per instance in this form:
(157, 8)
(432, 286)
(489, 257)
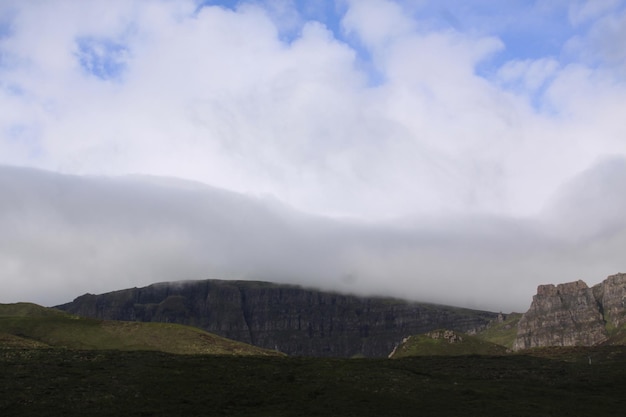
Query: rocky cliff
(611, 297)
(573, 314)
(291, 319)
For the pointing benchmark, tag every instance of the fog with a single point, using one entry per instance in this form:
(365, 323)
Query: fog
(64, 235)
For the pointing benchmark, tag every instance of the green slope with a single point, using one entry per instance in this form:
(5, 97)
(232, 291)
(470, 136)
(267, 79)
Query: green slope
(28, 310)
(12, 341)
(30, 325)
(446, 343)
(503, 332)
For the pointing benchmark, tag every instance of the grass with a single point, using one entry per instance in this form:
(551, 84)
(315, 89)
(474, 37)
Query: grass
(502, 333)
(29, 325)
(12, 341)
(425, 345)
(62, 382)
(28, 310)
(617, 335)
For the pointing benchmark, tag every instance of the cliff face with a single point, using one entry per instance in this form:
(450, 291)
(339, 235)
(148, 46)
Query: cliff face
(573, 314)
(611, 295)
(291, 319)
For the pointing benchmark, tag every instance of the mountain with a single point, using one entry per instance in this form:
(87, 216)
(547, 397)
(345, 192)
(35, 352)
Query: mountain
(291, 319)
(572, 314)
(27, 325)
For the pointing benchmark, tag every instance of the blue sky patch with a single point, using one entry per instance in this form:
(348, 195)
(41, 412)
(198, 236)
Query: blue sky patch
(103, 58)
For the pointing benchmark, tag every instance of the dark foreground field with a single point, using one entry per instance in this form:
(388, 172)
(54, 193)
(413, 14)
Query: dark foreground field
(56, 382)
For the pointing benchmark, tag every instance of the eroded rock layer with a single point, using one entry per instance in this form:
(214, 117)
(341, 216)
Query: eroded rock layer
(573, 314)
(291, 319)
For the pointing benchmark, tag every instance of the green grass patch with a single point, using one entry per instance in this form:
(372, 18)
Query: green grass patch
(28, 310)
(30, 324)
(455, 344)
(502, 333)
(617, 335)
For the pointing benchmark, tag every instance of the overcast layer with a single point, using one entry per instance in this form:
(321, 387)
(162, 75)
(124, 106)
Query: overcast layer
(444, 151)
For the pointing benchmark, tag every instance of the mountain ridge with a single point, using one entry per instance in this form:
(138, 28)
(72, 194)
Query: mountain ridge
(288, 318)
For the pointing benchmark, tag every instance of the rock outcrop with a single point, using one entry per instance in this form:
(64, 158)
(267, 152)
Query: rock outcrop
(573, 314)
(447, 335)
(611, 295)
(291, 319)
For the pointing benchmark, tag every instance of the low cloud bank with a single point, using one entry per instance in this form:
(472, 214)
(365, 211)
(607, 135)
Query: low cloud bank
(62, 236)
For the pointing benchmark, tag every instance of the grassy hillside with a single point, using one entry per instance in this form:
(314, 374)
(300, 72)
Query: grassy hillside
(446, 343)
(502, 333)
(11, 341)
(30, 325)
(63, 382)
(28, 310)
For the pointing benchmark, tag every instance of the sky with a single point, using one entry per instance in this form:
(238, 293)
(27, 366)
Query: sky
(444, 151)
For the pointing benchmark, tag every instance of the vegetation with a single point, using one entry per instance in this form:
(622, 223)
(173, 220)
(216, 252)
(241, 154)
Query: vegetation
(28, 310)
(447, 343)
(64, 382)
(617, 335)
(56, 364)
(502, 333)
(30, 325)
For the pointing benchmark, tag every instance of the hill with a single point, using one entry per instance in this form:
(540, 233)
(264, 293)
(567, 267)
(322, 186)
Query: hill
(445, 343)
(294, 320)
(30, 325)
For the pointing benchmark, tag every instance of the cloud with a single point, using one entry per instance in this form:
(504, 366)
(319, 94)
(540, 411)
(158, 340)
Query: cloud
(606, 36)
(377, 22)
(346, 124)
(67, 235)
(583, 11)
(375, 111)
(589, 206)
(532, 74)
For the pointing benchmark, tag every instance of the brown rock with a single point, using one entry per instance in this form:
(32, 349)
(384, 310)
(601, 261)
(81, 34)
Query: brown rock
(611, 294)
(563, 315)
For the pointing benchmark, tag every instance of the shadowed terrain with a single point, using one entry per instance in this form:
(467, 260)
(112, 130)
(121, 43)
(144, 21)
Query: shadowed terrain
(291, 319)
(56, 364)
(554, 382)
(29, 325)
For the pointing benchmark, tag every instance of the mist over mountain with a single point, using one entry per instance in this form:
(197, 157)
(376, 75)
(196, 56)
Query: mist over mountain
(66, 235)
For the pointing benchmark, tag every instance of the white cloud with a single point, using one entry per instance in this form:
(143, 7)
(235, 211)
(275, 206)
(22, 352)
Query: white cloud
(377, 22)
(607, 38)
(67, 235)
(391, 118)
(532, 74)
(585, 10)
(589, 206)
(218, 96)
